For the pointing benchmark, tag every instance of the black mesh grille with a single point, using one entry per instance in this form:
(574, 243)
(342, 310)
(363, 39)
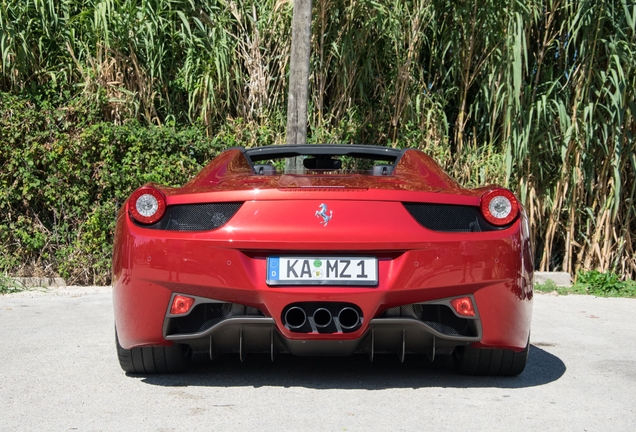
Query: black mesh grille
(443, 329)
(195, 217)
(206, 315)
(449, 218)
(436, 316)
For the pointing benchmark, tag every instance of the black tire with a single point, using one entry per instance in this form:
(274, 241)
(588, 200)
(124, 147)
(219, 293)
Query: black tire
(153, 360)
(490, 362)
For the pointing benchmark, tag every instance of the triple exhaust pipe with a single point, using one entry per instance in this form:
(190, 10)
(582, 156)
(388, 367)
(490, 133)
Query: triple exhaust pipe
(326, 318)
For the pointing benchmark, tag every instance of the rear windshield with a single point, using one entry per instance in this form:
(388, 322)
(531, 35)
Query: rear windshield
(334, 165)
(326, 159)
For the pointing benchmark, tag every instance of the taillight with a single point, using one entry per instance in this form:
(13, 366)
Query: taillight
(463, 306)
(147, 205)
(499, 207)
(181, 304)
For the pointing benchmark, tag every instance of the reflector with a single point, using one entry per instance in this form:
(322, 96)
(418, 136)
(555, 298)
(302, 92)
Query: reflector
(463, 306)
(181, 304)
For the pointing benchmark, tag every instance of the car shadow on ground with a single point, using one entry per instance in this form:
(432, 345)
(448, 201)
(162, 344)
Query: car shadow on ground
(355, 372)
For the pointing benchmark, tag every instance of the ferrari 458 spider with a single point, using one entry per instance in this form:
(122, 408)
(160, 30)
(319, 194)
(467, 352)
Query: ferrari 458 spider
(368, 250)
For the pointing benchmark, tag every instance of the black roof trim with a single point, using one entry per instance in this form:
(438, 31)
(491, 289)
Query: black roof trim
(354, 150)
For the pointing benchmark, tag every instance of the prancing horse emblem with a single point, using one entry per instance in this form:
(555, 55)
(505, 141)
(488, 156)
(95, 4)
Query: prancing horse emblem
(323, 214)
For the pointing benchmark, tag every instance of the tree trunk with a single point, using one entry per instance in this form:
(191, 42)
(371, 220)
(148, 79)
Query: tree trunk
(298, 81)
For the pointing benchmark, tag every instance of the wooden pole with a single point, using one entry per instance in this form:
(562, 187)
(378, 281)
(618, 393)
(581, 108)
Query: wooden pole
(298, 81)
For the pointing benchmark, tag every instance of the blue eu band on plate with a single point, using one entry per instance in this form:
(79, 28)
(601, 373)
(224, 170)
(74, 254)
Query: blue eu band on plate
(304, 270)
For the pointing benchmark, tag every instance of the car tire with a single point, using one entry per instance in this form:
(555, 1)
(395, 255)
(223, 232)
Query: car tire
(490, 362)
(153, 360)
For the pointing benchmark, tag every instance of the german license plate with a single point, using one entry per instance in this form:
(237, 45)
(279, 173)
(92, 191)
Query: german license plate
(296, 270)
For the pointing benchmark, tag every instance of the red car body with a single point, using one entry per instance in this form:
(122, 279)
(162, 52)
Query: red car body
(421, 272)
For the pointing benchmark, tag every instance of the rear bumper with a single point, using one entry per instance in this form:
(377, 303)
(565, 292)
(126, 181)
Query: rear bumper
(219, 327)
(494, 268)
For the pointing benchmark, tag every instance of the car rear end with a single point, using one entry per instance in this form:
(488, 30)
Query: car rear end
(293, 264)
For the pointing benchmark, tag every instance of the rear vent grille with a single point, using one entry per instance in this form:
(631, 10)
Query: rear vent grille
(206, 315)
(195, 217)
(449, 218)
(437, 316)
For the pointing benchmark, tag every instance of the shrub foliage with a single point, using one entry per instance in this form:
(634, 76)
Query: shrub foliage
(593, 282)
(64, 178)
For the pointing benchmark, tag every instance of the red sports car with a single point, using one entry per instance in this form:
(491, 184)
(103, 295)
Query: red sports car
(369, 249)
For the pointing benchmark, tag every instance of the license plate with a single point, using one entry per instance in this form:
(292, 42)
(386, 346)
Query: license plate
(322, 270)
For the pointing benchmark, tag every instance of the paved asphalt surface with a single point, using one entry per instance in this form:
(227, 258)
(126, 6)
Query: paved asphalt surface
(58, 371)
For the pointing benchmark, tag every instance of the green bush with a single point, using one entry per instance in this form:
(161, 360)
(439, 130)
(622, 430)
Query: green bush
(593, 283)
(64, 176)
(606, 284)
(10, 285)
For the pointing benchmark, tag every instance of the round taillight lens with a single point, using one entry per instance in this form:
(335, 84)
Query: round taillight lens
(499, 207)
(147, 205)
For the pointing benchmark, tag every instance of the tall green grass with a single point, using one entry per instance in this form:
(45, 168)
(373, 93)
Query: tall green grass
(536, 95)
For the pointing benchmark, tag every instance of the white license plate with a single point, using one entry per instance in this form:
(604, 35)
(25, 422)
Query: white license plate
(294, 270)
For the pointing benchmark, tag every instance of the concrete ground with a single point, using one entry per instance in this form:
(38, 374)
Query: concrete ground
(59, 371)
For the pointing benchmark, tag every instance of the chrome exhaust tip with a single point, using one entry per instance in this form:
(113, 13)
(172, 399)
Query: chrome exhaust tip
(322, 317)
(295, 317)
(349, 318)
